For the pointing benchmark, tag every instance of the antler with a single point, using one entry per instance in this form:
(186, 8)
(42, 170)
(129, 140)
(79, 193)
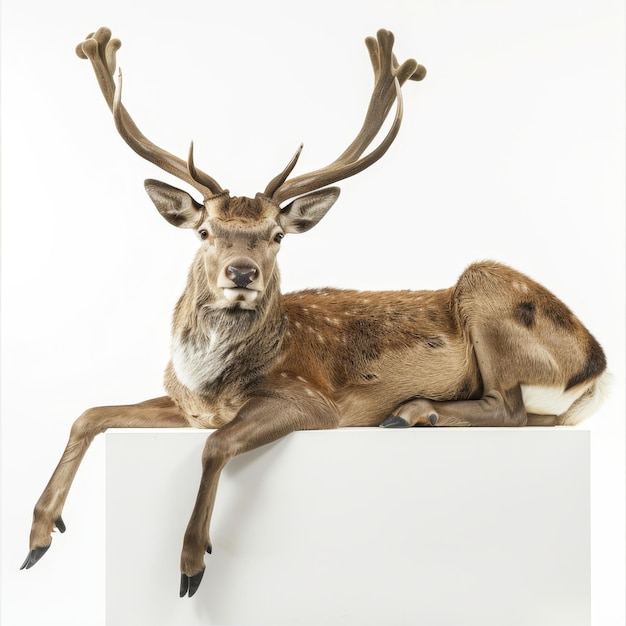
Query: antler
(100, 49)
(389, 76)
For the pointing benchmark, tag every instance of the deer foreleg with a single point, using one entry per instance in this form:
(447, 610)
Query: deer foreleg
(261, 420)
(157, 413)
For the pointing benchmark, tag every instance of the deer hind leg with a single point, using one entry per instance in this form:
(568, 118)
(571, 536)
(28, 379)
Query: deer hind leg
(495, 408)
(462, 413)
(501, 404)
(157, 413)
(523, 339)
(261, 420)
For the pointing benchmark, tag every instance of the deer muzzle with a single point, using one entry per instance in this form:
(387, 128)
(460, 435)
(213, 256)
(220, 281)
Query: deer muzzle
(241, 281)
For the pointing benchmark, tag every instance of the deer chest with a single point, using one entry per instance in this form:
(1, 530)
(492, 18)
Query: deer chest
(199, 364)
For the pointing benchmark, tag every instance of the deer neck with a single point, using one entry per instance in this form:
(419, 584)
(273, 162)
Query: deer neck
(216, 348)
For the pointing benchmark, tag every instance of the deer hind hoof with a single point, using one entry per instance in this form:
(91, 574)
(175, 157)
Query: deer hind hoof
(394, 421)
(190, 584)
(33, 556)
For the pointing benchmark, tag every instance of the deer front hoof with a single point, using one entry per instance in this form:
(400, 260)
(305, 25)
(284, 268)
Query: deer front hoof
(190, 584)
(34, 555)
(394, 421)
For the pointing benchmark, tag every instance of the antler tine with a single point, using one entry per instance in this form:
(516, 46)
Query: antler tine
(101, 50)
(277, 181)
(386, 68)
(199, 176)
(389, 76)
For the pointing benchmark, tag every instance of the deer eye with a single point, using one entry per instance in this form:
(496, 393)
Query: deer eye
(204, 234)
(278, 237)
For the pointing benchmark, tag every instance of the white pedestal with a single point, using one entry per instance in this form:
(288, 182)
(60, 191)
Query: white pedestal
(485, 527)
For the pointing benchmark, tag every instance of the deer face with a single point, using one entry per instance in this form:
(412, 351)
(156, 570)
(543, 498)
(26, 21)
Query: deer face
(239, 237)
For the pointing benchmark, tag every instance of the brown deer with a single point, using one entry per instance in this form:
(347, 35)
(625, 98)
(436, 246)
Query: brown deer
(496, 349)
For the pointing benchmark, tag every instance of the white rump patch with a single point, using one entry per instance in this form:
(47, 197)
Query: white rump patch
(590, 404)
(543, 400)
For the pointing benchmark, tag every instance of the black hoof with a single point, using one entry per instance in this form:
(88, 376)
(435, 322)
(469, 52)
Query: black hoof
(34, 556)
(394, 421)
(190, 584)
(36, 553)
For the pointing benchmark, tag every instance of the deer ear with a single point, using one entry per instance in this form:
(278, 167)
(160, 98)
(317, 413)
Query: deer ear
(175, 205)
(306, 211)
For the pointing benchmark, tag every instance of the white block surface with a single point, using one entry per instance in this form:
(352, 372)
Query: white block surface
(485, 527)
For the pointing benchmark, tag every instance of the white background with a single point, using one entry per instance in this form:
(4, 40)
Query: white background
(512, 148)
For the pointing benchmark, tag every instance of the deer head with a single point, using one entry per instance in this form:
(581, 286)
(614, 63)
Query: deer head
(240, 236)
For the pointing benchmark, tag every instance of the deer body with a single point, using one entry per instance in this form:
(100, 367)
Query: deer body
(324, 343)
(495, 349)
(366, 353)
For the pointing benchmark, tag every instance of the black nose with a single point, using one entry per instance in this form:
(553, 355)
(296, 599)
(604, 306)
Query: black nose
(241, 276)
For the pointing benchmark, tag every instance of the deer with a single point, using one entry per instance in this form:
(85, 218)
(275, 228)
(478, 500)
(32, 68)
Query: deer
(496, 349)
